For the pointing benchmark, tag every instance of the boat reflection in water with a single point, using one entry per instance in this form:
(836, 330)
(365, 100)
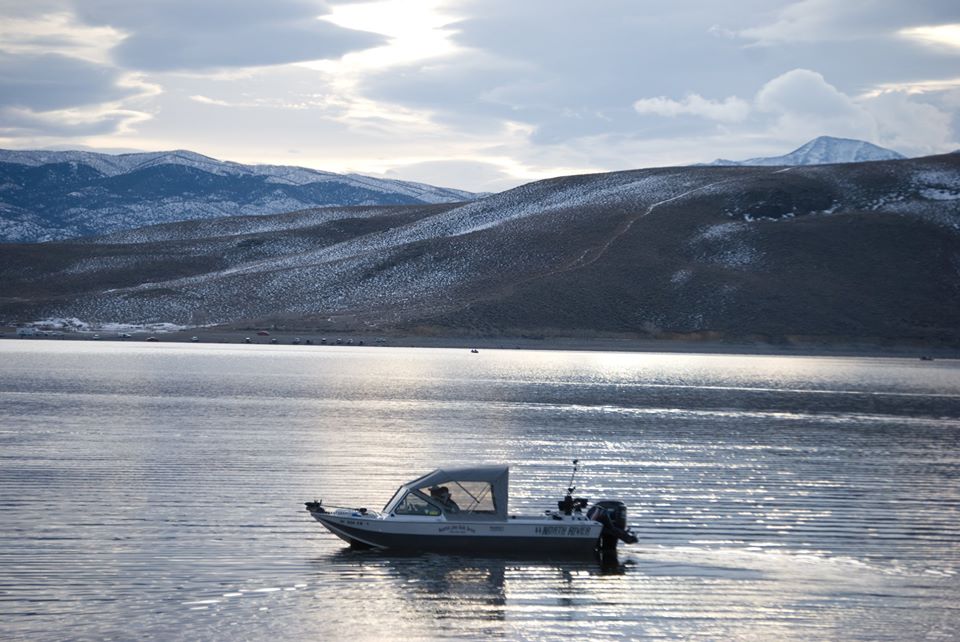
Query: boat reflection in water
(472, 589)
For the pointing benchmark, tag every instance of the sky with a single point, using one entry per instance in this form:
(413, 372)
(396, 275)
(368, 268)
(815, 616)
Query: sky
(480, 95)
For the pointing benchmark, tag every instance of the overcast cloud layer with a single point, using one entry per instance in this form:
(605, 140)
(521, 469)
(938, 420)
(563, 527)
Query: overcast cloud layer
(477, 94)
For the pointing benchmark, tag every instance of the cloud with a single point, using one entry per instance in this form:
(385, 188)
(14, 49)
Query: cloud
(799, 100)
(206, 100)
(48, 82)
(731, 109)
(802, 91)
(569, 72)
(24, 123)
(73, 69)
(938, 35)
(32, 9)
(805, 104)
(911, 127)
(211, 34)
(566, 69)
(56, 32)
(800, 104)
(484, 87)
(810, 21)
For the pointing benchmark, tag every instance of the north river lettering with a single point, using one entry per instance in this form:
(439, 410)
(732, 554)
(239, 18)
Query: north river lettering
(568, 531)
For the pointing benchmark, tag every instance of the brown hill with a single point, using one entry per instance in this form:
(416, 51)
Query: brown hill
(865, 250)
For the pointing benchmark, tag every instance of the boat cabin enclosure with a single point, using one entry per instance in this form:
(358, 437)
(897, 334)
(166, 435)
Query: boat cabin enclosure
(478, 493)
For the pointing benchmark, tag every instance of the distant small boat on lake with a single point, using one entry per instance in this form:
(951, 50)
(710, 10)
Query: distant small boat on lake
(464, 511)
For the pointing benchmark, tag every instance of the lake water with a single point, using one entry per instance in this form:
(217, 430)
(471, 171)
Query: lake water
(154, 491)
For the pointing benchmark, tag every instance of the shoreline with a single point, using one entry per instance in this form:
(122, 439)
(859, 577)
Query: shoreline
(568, 344)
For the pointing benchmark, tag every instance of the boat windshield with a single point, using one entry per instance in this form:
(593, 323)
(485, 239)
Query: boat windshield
(396, 496)
(462, 496)
(414, 504)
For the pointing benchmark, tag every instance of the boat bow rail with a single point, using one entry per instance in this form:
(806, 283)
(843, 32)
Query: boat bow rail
(317, 507)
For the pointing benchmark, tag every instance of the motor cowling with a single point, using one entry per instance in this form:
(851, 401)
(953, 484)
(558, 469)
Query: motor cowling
(613, 515)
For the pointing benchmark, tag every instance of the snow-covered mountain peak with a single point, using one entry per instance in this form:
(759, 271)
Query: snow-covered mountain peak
(824, 150)
(827, 149)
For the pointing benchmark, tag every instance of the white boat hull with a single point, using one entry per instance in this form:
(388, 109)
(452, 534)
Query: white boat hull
(574, 534)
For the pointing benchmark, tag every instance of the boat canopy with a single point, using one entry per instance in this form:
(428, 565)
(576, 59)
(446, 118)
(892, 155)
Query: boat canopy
(480, 491)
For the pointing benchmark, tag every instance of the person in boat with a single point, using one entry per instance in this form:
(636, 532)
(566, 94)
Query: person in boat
(442, 495)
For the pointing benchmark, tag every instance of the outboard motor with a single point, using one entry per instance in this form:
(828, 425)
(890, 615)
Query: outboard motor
(613, 515)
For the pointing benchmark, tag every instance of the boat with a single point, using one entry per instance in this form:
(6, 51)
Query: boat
(465, 511)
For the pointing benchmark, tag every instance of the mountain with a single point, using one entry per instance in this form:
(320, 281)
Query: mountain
(829, 252)
(822, 151)
(47, 195)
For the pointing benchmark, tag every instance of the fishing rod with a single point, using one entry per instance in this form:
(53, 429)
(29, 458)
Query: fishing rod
(568, 504)
(570, 486)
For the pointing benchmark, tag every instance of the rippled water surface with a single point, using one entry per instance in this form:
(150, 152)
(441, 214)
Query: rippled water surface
(154, 491)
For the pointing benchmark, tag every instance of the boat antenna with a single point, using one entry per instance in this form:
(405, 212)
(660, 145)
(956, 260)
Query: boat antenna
(571, 487)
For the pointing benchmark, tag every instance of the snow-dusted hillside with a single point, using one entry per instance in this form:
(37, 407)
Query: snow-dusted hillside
(823, 151)
(852, 250)
(46, 195)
